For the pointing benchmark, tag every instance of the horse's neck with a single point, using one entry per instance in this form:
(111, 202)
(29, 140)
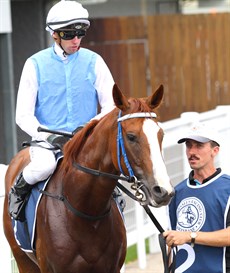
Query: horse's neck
(93, 192)
(99, 151)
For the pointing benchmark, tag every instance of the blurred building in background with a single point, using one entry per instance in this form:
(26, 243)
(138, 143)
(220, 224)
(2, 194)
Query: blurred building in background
(22, 33)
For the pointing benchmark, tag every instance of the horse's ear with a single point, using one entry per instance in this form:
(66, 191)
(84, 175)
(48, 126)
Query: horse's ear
(155, 99)
(119, 99)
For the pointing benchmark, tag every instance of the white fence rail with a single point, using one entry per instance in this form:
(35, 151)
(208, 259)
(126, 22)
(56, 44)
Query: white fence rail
(139, 226)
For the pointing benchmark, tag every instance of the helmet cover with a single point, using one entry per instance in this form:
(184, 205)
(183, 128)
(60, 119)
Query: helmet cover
(66, 13)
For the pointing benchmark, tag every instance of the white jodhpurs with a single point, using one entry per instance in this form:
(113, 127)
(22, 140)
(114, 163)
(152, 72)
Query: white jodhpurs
(42, 165)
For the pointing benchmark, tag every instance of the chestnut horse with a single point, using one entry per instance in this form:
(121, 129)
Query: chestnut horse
(86, 233)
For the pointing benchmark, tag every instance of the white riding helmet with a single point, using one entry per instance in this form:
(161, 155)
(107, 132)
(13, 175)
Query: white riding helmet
(65, 13)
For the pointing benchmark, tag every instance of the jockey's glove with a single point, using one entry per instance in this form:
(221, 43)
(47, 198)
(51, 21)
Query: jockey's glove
(78, 129)
(57, 141)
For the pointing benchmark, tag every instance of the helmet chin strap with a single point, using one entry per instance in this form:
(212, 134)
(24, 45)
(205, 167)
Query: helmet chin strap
(58, 41)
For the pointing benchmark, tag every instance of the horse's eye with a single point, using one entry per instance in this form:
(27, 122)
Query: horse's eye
(131, 137)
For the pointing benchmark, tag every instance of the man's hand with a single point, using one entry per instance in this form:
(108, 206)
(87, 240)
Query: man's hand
(175, 238)
(57, 141)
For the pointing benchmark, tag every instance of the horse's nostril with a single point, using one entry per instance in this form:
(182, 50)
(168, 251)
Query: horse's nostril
(161, 196)
(157, 189)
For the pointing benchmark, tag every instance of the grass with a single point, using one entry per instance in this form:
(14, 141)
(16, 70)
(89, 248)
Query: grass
(132, 252)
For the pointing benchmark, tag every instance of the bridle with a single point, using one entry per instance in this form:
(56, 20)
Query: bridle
(136, 185)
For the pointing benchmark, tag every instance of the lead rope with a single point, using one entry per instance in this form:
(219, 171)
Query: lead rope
(168, 256)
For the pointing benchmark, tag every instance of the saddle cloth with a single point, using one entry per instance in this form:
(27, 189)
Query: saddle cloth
(24, 232)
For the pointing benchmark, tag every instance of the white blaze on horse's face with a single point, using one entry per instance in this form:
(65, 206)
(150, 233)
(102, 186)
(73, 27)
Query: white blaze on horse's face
(151, 129)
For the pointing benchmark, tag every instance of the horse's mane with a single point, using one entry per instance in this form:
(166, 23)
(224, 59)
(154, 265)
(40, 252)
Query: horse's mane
(73, 147)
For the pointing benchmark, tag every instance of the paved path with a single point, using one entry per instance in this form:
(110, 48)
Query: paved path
(154, 265)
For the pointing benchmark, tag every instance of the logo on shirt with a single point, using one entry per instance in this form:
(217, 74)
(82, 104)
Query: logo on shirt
(191, 214)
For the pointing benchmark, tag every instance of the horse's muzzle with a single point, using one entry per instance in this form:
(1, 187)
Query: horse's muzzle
(160, 196)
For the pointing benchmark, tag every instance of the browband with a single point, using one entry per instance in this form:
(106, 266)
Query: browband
(138, 115)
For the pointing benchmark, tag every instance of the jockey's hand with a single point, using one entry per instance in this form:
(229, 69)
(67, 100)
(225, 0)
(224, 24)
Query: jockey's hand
(78, 129)
(57, 141)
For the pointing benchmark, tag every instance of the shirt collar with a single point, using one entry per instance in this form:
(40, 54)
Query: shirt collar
(193, 182)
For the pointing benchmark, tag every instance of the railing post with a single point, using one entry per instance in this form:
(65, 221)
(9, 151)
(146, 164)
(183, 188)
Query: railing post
(141, 252)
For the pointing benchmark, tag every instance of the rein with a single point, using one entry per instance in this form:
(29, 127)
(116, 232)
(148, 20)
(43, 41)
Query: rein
(72, 209)
(99, 173)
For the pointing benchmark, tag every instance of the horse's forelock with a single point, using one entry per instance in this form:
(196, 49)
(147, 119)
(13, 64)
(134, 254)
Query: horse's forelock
(139, 105)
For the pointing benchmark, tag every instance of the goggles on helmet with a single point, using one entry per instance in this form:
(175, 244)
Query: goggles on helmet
(71, 31)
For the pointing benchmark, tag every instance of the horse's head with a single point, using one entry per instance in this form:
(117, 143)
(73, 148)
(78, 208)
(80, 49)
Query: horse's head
(142, 142)
(127, 141)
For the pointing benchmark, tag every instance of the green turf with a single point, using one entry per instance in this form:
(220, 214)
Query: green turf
(132, 252)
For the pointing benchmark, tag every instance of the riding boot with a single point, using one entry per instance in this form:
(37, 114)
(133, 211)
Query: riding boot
(18, 197)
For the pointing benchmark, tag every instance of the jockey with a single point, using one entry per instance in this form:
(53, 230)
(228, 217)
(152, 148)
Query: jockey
(60, 89)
